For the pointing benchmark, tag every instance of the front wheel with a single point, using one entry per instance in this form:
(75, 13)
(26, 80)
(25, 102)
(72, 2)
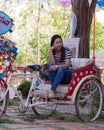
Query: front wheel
(89, 100)
(43, 107)
(3, 101)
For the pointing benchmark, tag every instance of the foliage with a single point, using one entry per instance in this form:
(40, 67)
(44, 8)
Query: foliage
(24, 88)
(99, 37)
(44, 50)
(7, 120)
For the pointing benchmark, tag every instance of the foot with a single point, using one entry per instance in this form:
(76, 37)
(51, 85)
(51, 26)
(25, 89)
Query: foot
(51, 94)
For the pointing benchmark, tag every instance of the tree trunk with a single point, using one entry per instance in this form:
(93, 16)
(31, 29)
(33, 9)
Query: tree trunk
(84, 14)
(38, 43)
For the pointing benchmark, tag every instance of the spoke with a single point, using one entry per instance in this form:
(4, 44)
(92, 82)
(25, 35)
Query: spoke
(89, 100)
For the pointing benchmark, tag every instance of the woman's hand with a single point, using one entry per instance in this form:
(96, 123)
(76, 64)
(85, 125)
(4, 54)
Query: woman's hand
(52, 48)
(51, 57)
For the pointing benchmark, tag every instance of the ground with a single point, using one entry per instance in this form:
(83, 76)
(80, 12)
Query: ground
(63, 119)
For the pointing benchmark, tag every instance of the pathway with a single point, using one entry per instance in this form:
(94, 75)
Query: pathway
(29, 121)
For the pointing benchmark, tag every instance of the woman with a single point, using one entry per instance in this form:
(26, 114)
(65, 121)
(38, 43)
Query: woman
(60, 67)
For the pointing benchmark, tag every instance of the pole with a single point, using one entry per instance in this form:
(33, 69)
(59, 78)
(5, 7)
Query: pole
(94, 42)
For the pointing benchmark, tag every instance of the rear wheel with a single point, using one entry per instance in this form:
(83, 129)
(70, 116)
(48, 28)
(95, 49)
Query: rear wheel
(89, 100)
(44, 107)
(3, 101)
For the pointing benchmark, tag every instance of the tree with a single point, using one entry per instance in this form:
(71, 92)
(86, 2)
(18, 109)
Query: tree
(84, 13)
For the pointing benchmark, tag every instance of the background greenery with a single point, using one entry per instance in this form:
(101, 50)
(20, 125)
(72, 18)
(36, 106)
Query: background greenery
(35, 23)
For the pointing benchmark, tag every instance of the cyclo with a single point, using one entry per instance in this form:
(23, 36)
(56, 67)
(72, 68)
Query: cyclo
(84, 90)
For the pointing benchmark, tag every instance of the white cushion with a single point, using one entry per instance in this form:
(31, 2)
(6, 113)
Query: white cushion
(73, 45)
(80, 62)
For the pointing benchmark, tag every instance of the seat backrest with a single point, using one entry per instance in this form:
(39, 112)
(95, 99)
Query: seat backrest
(73, 45)
(80, 62)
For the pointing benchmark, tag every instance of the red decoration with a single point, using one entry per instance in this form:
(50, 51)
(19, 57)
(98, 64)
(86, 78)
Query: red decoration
(78, 74)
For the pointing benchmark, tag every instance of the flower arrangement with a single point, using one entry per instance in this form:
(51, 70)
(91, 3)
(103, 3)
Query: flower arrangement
(8, 50)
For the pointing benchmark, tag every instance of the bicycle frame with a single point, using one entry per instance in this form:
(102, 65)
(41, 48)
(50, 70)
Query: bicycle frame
(26, 103)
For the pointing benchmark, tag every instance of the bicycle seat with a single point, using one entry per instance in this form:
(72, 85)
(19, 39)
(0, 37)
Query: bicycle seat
(35, 67)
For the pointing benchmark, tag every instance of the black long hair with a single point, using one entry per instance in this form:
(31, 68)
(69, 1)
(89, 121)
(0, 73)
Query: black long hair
(54, 37)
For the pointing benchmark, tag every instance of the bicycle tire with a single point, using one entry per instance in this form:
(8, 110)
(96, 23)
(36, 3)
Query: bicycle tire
(89, 100)
(5, 100)
(45, 109)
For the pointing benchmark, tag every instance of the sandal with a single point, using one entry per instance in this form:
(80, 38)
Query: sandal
(51, 94)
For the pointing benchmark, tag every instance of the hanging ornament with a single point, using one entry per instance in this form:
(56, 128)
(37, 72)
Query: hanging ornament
(5, 23)
(65, 3)
(101, 3)
(89, 1)
(73, 25)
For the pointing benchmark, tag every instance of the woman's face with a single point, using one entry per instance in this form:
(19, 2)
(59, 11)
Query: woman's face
(58, 44)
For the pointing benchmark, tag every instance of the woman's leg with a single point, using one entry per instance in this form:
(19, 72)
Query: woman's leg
(58, 78)
(52, 74)
(67, 77)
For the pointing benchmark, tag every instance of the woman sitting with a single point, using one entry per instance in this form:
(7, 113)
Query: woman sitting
(60, 66)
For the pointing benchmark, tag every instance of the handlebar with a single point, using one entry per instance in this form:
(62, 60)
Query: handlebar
(10, 68)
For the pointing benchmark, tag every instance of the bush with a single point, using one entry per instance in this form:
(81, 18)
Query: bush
(24, 88)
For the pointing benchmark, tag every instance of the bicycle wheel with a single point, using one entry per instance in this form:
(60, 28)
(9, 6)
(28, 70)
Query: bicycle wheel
(42, 106)
(89, 100)
(5, 100)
